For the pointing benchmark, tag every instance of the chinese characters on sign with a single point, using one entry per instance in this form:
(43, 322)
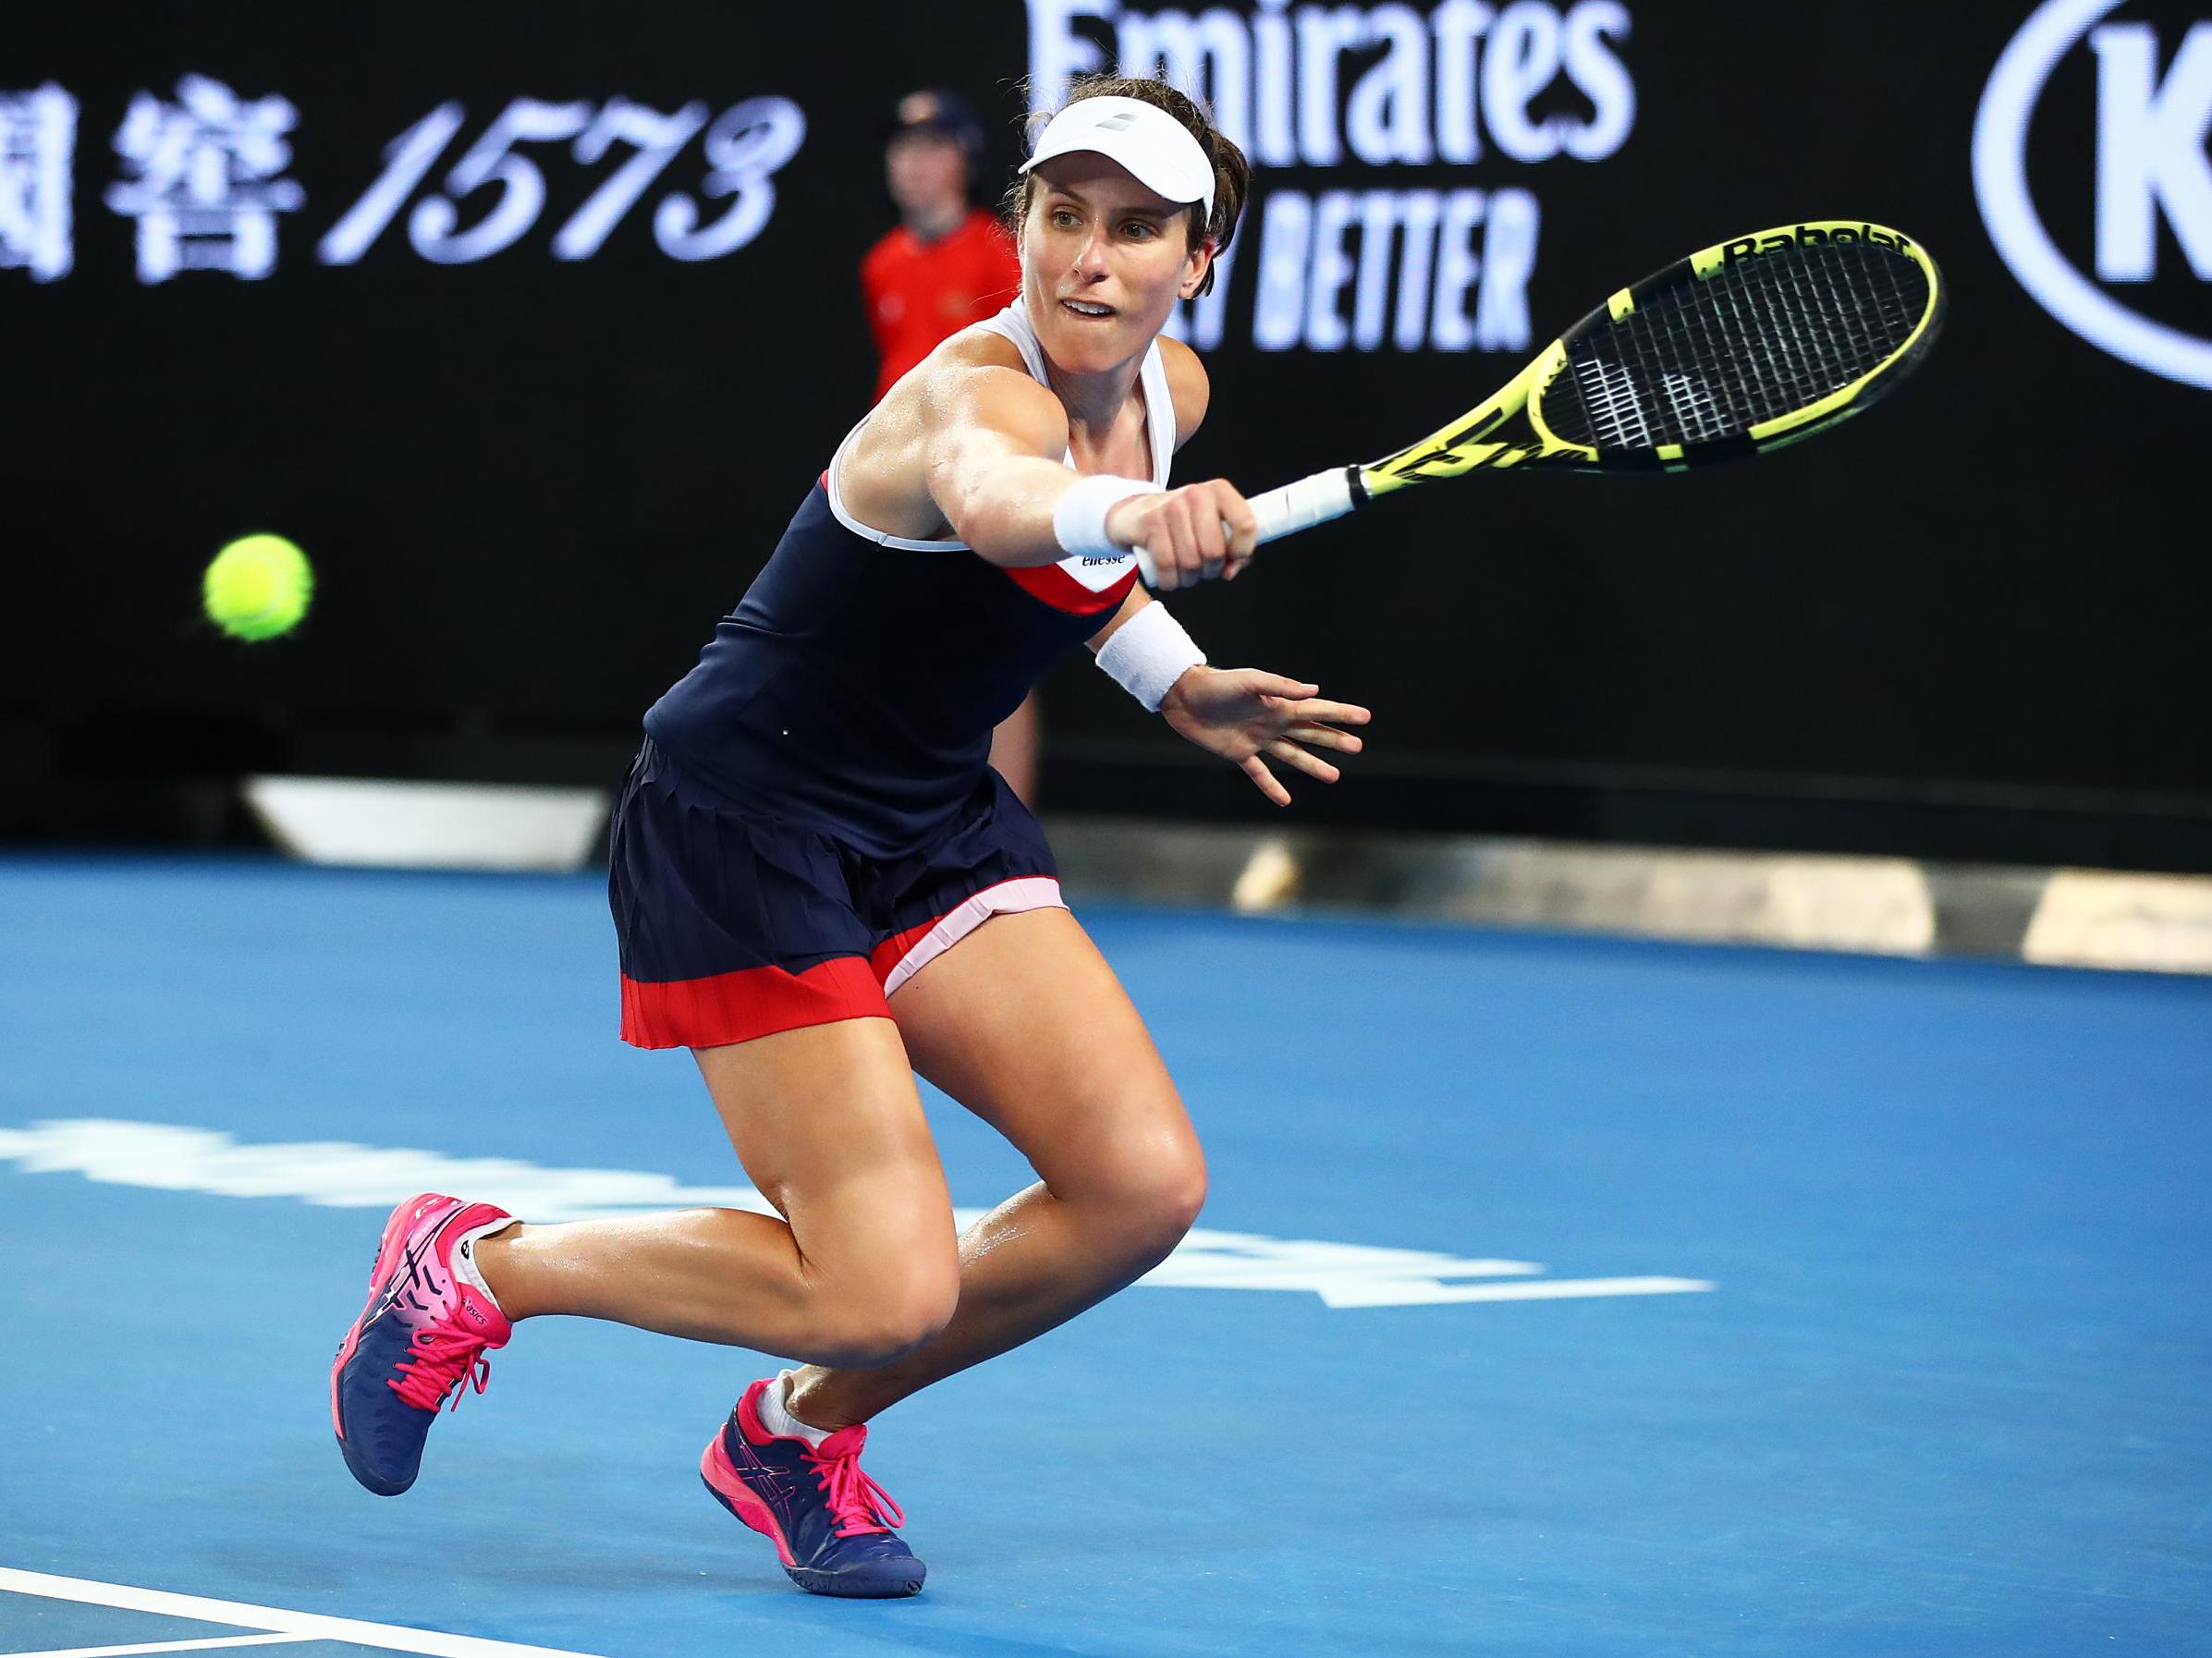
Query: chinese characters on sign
(38, 142)
(205, 191)
(205, 178)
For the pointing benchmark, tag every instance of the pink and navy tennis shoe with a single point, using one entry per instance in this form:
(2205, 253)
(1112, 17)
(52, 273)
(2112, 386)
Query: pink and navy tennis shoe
(422, 1335)
(831, 1524)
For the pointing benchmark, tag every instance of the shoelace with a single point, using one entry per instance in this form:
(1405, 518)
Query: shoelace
(439, 1360)
(860, 1505)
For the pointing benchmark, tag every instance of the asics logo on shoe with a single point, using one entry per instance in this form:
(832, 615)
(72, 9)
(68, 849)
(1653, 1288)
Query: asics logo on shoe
(770, 1482)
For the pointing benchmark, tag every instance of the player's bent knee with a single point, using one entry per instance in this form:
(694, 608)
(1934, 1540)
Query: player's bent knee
(865, 1340)
(871, 1324)
(1173, 1200)
(1154, 1193)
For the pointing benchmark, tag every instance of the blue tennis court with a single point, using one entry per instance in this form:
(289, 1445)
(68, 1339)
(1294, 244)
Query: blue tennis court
(1555, 1296)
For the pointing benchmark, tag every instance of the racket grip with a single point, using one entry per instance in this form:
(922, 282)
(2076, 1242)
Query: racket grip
(1285, 511)
(1300, 506)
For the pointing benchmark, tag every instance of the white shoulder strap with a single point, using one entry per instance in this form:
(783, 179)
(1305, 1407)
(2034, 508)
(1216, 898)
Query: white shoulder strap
(1013, 323)
(1159, 414)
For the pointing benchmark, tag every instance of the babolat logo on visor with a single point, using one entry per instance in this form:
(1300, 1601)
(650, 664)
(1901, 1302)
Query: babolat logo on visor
(1810, 236)
(2091, 228)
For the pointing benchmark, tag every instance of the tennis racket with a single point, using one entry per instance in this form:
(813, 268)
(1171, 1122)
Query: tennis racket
(1743, 347)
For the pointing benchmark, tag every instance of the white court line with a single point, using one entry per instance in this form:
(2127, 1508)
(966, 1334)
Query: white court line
(305, 1625)
(1522, 1289)
(161, 1646)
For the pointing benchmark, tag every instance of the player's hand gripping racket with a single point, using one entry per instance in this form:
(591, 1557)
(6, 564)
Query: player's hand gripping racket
(1741, 347)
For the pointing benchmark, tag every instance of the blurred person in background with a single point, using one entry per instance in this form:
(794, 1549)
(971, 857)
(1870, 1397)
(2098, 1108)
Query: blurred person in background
(947, 263)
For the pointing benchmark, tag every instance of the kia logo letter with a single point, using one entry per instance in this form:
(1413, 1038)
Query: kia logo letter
(2150, 159)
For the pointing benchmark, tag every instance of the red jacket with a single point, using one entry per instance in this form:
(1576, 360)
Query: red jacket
(918, 293)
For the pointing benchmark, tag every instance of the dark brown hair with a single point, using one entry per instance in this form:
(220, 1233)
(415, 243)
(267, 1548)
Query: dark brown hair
(1233, 173)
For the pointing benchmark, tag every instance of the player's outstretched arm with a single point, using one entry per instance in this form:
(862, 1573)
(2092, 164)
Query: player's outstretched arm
(992, 444)
(1248, 717)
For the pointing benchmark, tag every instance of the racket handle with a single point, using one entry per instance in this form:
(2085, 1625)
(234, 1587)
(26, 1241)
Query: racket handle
(1300, 506)
(1285, 511)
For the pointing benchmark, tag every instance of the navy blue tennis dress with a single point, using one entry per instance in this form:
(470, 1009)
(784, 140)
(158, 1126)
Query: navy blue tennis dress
(813, 818)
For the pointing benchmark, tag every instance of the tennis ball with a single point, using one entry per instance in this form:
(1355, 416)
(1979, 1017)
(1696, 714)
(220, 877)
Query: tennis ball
(258, 587)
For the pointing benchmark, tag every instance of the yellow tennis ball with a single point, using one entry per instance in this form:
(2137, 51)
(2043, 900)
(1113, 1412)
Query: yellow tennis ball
(258, 587)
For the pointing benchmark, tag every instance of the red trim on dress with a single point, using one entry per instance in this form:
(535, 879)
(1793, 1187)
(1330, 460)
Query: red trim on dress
(1063, 591)
(892, 950)
(749, 1003)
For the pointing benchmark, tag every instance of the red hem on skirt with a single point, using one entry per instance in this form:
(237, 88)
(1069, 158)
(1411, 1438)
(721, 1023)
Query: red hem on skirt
(752, 1002)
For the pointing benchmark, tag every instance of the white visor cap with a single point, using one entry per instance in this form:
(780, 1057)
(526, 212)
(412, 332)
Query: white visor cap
(1157, 149)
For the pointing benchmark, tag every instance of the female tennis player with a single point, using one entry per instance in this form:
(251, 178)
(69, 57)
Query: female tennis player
(820, 889)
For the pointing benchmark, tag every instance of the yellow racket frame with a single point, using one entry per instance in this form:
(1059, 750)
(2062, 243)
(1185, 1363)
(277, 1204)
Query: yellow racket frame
(1473, 442)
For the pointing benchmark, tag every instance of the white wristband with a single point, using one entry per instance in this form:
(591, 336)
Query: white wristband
(1078, 522)
(1148, 653)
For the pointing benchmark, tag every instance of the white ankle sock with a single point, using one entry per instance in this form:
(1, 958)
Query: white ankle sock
(464, 1258)
(775, 1413)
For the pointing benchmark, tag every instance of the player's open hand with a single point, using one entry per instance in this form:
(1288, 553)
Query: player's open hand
(1249, 717)
(1191, 534)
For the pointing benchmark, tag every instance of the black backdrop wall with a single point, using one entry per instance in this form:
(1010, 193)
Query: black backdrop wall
(547, 318)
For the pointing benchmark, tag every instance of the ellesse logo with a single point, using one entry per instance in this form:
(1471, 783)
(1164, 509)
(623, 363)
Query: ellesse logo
(2153, 103)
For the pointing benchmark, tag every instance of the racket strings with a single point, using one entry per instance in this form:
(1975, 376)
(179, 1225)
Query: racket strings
(1820, 319)
(1759, 339)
